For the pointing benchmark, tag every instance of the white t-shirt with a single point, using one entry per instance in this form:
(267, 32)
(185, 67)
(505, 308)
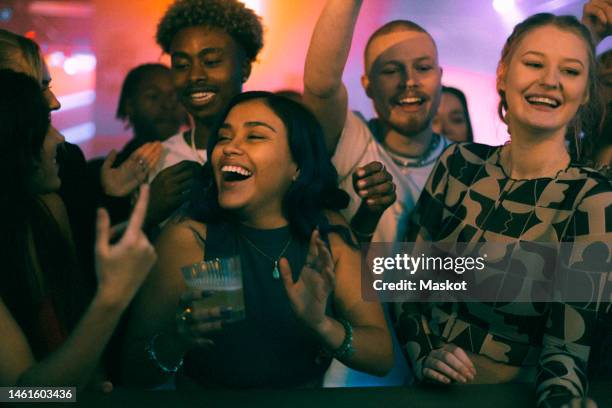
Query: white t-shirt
(357, 147)
(175, 151)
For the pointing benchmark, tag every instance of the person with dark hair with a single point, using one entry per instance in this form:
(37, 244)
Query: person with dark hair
(270, 196)
(453, 117)
(52, 332)
(77, 191)
(402, 77)
(519, 199)
(148, 104)
(212, 44)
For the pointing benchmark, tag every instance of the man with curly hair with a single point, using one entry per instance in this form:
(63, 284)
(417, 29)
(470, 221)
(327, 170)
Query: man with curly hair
(212, 44)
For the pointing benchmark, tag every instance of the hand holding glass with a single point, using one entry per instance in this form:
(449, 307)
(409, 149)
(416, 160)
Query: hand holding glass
(220, 281)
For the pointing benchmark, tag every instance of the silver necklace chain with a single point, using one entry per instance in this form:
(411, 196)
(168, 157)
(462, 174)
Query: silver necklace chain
(275, 271)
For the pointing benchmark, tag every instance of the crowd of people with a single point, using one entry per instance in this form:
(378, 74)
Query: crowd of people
(292, 184)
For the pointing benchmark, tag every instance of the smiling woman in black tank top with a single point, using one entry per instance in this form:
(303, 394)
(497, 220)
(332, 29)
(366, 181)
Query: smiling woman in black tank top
(269, 195)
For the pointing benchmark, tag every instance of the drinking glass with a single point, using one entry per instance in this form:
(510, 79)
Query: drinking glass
(221, 281)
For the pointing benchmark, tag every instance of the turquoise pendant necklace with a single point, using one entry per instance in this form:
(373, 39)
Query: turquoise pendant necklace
(275, 271)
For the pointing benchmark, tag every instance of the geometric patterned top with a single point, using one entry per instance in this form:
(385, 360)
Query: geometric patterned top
(469, 198)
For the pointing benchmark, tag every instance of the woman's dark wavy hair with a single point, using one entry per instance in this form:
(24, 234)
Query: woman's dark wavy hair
(463, 100)
(589, 118)
(314, 190)
(26, 221)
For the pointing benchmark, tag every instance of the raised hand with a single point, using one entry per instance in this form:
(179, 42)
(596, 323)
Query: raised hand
(121, 181)
(308, 296)
(597, 16)
(121, 268)
(447, 364)
(170, 189)
(375, 186)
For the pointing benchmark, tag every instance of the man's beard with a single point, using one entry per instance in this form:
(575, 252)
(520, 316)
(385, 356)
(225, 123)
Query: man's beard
(412, 126)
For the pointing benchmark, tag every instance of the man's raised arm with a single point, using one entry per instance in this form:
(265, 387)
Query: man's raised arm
(324, 92)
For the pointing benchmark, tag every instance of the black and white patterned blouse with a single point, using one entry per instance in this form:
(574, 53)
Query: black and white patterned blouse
(469, 198)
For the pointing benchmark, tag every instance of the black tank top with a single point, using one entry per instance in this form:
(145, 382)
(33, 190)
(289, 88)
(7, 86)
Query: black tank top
(270, 347)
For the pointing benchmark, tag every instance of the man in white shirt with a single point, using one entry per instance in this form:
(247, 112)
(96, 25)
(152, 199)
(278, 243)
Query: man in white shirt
(403, 79)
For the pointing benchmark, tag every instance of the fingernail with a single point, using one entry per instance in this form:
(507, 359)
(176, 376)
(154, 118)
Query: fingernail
(361, 183)
(370, 201)
(361, 173)
(363, 193)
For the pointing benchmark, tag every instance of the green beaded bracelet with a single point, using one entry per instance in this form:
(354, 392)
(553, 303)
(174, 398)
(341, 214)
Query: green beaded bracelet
(346, 348)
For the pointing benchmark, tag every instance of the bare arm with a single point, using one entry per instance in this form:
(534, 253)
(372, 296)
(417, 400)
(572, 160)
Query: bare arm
(120, 268)
(72, 364)
(372, 340)
(324, 92)
(154, 309)
(339, 273)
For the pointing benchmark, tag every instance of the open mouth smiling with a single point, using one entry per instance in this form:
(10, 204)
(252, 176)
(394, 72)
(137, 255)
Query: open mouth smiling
(201, 98)
(235, 173)
(541, 100)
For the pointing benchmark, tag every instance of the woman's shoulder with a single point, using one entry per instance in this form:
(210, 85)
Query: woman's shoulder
(339, 231)
(182, 231)
(335, 218)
